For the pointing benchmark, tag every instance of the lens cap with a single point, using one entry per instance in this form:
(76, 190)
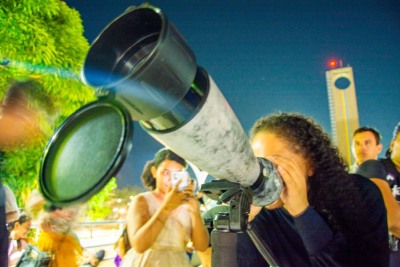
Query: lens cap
(85, 152)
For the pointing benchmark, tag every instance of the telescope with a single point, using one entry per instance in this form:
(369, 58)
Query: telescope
(143, 70)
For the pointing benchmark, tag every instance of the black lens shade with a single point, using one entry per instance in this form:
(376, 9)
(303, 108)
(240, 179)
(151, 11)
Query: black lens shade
(143, 60)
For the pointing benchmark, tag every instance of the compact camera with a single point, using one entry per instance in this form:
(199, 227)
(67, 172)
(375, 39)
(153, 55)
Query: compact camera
(181, 175)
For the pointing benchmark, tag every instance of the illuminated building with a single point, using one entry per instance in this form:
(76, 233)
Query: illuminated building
(342, 107)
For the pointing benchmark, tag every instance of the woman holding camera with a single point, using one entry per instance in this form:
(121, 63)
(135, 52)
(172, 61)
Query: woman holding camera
(161, 222)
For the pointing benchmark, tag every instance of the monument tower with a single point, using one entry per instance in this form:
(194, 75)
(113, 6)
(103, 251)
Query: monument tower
(342, 107)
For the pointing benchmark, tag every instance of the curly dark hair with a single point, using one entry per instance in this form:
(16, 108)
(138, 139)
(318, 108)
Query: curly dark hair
(332, 191)
(161, 155)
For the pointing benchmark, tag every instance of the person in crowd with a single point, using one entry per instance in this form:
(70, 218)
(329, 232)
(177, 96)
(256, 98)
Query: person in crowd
(162, 221)
(366, 145)
(385, 173)
(324, 216)
(12, 210)
(121, 247)
(57, 237)
(19, 240)
(26, 114)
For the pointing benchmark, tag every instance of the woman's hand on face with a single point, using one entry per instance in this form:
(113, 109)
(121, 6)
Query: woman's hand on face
(294, 193)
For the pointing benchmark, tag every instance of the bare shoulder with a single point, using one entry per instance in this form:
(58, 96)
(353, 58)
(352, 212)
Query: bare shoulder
(138, 213)
(139, 200)
(139, 205)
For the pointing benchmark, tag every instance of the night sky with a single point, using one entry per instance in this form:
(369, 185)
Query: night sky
(271, 55)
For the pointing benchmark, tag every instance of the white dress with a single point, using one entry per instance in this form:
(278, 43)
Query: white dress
(169, 249)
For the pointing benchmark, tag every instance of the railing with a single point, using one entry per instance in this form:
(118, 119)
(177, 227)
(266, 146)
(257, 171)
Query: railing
(94, 224)
(95, 235)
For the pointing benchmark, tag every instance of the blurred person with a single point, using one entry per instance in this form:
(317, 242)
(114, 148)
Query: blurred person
(26, 113)
(324, 216)
(19, 240)
(385, 173)
(121, 247)
(162, 221)
(11, 206)
(57, 237)
(366, 145)
(35, 204)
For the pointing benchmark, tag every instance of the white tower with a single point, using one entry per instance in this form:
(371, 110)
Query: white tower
(343, 108)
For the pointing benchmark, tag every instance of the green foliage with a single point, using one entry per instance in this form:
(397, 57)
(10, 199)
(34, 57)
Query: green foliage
(120, 200)
(19, 172)
(98, 207)
(102, 204)
(126, 193)
(41, 40)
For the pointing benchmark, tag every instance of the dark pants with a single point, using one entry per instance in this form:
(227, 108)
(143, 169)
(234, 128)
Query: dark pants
(394, 258)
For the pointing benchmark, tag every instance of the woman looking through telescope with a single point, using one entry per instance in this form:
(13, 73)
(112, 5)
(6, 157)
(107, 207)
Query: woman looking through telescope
(325, 216)
(161, 222)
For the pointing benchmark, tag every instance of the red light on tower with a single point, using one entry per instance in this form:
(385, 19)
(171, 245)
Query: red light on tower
(333, 63)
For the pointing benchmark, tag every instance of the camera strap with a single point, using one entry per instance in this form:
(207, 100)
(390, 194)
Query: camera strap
(261, 246)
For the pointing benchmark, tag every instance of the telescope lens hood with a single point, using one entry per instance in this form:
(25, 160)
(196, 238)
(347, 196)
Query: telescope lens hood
(144, 60)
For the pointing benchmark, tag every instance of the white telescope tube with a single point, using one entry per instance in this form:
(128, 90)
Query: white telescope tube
(214, 141)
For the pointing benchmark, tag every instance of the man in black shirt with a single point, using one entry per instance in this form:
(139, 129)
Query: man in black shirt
(366, 145)
(385, 173)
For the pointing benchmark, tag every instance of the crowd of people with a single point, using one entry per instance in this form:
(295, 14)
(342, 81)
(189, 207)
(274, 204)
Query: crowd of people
(25, 113)
(325, 216)
(385, 173)
(21, 118)
(328, 214)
